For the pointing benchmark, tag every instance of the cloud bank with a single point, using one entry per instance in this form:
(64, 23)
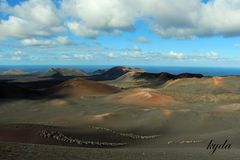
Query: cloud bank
(91, 18)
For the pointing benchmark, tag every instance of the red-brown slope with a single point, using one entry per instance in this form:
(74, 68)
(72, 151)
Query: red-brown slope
(81, 87)
(145, 97)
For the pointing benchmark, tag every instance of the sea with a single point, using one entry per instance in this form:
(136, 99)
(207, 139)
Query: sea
(206, 71)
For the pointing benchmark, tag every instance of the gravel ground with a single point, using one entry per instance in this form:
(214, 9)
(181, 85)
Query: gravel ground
(20, 151)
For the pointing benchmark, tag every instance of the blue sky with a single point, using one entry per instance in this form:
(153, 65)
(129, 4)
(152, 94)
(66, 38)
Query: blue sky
(120, 32)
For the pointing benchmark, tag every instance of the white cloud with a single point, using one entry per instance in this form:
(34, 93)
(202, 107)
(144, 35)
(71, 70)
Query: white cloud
(135, 52)
(175, 55)
(184, 19)
(127, 54)
(65, 57)
(76, 56)
(212, 55)
(136, 55)
(17, 55)
(194, 19)
(83, 56)
(112, 55)
(82, 30)
(35, 42)
(100, 16)
(61, 40)
(133, 48)
(30, 18)
(91, 18)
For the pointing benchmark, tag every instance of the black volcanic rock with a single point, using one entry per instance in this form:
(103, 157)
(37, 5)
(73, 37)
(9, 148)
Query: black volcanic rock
(168, 76)
(138, 78)
(154, 78)
(137, 73)
(99, 71)
(189, 75)
(9, 90)
(113, 73)
(163, 75)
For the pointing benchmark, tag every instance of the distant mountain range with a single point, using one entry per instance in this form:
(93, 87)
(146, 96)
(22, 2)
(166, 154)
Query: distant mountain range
(63, 72)
(14, 72)
(66, 82)
(98, 75)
